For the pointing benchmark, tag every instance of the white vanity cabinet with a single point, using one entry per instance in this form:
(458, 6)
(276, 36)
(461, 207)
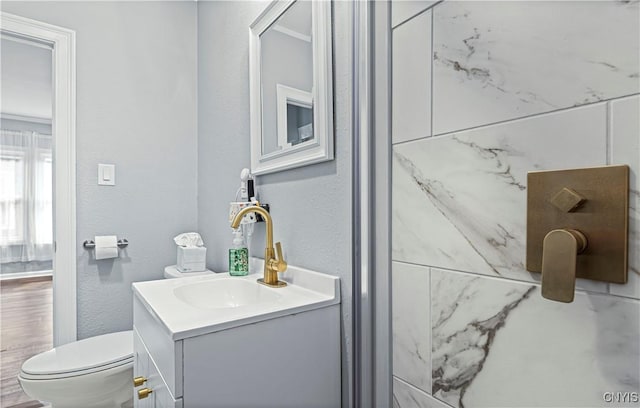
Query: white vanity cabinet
(144, 366)
(279, 358)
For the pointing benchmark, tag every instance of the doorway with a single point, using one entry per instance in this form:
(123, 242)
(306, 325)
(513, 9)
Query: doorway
(26, 207)
(37, 195)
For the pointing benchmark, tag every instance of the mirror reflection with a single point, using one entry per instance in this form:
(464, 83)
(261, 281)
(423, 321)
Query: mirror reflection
(286, 65)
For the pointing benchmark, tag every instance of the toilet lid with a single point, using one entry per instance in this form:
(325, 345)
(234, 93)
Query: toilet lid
(173, 272)
(80, 357)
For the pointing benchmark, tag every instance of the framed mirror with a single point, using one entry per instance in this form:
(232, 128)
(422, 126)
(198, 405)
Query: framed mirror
(291, 86)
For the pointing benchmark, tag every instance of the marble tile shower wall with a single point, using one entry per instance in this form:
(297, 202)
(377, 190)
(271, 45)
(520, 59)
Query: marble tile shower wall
(484, 92)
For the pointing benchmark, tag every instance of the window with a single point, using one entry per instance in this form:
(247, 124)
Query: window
(26, 213)
(11, 197)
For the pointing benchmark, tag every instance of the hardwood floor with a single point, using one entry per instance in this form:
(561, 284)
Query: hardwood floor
(26, 329)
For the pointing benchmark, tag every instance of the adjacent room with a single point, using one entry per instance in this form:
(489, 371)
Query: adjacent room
(26, 213)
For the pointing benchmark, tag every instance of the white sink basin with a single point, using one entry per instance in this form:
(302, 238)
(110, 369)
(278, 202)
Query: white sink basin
(225, 293)
(198, 305)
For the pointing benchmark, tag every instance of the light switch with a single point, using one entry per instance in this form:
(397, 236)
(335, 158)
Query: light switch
(106, 174)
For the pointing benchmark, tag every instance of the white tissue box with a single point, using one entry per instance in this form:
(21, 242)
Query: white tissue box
(191, 259)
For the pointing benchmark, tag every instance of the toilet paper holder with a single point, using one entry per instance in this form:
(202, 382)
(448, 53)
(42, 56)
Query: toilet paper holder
(89, 244)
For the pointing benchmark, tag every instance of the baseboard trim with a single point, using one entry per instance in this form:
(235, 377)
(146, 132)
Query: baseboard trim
(26, 275)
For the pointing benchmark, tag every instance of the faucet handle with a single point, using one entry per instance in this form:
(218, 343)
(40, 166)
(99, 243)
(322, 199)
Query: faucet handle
(281, 265)
(559, 261)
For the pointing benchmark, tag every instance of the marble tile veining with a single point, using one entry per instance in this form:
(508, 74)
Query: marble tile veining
(517, 86)
(406, 396)
(459, 201)
(411, 331)
(625, 149)
(495, 61)
(490, 332)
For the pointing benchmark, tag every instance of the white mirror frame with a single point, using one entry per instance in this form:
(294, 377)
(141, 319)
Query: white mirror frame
(321, 147)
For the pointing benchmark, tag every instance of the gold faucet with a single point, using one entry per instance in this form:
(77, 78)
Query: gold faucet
(272, 265)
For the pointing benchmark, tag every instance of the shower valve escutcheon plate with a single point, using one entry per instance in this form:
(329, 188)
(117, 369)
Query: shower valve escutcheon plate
(592, 201)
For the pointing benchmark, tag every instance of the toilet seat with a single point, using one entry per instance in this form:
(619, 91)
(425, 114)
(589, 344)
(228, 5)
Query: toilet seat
(82, 357)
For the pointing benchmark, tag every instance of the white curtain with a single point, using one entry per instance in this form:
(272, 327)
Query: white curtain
(26, 213)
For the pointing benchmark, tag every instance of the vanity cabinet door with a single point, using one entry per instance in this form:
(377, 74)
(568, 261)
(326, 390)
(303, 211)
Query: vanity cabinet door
(162, 397)
(165, 353)
(144, 366)
(140, 369)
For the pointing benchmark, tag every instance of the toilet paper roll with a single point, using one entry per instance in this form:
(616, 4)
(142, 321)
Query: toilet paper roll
(106, 246)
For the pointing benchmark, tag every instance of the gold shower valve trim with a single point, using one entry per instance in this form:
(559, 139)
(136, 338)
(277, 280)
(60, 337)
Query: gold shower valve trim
(567, 208)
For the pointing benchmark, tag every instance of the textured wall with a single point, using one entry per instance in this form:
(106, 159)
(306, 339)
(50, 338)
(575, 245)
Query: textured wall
(309, 204)
(136, 108)
(482, 93)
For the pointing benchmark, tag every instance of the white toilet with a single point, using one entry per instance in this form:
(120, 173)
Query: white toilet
(171, 272)
(92, 373)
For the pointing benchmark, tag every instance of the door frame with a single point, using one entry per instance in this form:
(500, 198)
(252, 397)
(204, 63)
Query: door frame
(380, 60)
(63, 42)
(372, 310)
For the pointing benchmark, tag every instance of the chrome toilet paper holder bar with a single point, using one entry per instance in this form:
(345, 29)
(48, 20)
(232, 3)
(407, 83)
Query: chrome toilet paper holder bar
(89, 244)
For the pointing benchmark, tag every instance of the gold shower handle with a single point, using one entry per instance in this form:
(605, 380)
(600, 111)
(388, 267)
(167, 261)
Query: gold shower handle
(560, 250)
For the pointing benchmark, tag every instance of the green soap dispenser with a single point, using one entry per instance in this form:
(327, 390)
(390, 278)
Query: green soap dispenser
(238, 255)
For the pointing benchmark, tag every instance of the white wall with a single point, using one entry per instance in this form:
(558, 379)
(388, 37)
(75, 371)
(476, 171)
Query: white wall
(26, 79)
(310, 205)
(136, 108)
(484, 92)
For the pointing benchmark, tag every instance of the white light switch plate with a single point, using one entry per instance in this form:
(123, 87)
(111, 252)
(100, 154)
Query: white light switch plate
(106, 174)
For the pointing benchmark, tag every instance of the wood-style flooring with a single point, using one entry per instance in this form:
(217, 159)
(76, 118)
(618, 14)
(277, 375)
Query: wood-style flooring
(26, 329)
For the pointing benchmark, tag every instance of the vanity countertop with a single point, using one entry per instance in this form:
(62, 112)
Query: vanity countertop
(306, 290)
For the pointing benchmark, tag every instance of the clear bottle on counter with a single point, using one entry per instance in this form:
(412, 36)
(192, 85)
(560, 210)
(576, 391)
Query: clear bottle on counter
(238, 255)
